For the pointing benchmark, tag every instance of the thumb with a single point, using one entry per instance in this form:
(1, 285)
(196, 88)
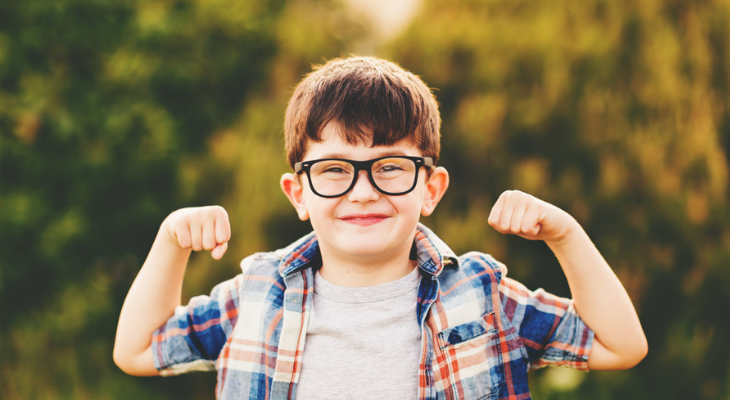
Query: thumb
(219, 250)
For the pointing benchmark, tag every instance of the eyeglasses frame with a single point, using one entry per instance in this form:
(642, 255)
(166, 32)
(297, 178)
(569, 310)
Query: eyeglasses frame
(367, 166)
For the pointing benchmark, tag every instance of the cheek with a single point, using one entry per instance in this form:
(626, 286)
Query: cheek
(411, 207)
(320, 208)
(419, 199)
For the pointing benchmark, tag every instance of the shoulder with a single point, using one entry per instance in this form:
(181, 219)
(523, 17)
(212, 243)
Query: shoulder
(473, 278)
(474, 266)
(272, 266)
(435, 257)
(264, 262)
(482, 262)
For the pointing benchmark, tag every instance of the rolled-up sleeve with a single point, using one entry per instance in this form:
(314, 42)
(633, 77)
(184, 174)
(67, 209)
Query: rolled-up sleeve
(549, 326)
(193, 337)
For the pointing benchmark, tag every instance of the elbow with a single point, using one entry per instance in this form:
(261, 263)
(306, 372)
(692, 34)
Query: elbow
(120, 360)
(628, 354)
(642, 349)
(635, 354)
(123, 360)
(131, 363)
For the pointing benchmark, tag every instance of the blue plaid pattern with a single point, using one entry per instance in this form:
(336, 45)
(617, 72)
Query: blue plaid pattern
(482, 331)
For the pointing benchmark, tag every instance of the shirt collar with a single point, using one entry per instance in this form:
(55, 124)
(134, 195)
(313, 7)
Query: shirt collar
(431, 253)
(299, 255)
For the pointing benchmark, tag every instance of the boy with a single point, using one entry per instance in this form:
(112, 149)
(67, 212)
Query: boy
(372, 304)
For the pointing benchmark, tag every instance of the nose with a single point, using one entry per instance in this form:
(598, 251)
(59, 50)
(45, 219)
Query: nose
(363, 189)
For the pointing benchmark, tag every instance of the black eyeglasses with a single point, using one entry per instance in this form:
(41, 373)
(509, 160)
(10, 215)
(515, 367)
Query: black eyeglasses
(392, 175)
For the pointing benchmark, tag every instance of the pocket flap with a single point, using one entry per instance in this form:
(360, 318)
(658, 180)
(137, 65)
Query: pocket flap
(469, 330)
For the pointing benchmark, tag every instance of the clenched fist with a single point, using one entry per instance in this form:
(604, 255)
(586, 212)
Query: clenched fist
(524, 215)
(199, 228)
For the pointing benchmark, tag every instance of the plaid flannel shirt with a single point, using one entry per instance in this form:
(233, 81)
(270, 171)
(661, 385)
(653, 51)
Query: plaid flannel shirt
(481, 331)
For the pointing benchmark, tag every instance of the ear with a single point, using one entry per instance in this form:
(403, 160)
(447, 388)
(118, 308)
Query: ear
(435, 188)
(292, 188)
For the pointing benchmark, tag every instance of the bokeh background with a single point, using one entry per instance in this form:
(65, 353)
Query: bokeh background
(115, 113)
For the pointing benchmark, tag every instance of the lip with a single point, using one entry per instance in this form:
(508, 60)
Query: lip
(364, 219)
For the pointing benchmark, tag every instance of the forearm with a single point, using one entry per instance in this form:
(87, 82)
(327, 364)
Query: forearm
(601, 301)
(151, 300)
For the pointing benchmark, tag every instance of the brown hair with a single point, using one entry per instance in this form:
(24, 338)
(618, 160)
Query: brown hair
(362, 92)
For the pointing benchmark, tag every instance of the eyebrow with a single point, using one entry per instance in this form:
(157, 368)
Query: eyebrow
(384, 154)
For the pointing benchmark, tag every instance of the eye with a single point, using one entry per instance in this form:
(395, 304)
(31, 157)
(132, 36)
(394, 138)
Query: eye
(390, 168)
(334, 170)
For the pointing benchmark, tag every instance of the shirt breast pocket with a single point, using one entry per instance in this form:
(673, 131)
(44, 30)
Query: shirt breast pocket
(473, 359)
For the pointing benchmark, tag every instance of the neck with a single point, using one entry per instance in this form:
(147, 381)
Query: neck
(354, 272)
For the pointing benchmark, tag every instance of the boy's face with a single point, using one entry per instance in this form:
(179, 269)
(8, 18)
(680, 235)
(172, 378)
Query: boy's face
(364, 225)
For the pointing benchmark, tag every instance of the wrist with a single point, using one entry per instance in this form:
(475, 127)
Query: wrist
(573, 233)
(167, 241)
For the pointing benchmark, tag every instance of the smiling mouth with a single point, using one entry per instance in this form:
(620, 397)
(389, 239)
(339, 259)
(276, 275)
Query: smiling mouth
(365, 219)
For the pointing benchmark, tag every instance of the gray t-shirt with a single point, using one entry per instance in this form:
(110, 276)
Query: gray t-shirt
(362, 342)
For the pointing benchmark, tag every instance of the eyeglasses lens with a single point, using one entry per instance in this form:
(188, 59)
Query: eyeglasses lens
(391, 175)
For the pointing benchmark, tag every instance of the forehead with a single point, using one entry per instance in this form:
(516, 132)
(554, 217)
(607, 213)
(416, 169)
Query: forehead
(333, 145)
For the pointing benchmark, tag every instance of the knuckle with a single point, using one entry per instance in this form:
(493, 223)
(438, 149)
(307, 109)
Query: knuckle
(183, 238)
(526, 228)
(217, 212)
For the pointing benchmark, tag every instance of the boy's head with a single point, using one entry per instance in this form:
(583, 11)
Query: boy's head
(373, 102)
(362, 135)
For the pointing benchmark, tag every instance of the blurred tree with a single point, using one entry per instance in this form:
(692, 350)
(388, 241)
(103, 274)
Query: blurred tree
(617, 112)
(113, 114)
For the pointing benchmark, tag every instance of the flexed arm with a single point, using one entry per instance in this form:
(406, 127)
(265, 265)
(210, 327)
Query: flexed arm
(599, 297)
(156, 291)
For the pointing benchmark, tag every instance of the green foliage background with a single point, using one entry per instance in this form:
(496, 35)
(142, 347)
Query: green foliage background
(115, 113)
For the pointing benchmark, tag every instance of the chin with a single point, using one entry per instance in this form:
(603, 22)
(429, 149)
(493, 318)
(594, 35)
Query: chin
(366, 250)
(360, 251)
